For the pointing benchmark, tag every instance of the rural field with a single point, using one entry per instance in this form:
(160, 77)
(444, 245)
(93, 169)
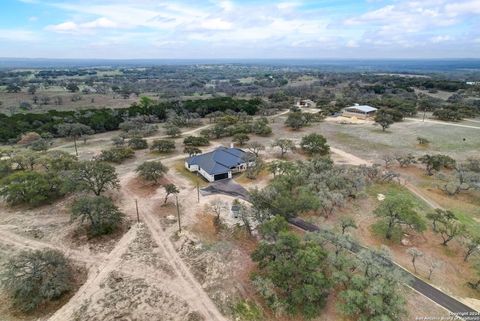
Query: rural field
(232, 192)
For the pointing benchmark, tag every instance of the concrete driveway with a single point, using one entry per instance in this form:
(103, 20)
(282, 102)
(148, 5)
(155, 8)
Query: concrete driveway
(228, 187)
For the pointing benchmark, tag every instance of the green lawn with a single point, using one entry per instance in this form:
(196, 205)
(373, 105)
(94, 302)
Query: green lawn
(392, 189)
(464, 215)
(192, 177)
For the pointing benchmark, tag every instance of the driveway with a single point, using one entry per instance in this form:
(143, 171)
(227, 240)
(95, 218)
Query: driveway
(228, 187)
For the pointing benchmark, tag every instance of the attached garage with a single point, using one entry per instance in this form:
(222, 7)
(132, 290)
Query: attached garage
(220, 176)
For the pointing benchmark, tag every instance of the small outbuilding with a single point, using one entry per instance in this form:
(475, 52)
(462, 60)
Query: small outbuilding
(219, 164)
(359, 111)
(305, 103)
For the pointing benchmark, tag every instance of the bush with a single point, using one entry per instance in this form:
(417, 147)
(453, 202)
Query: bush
(33, 277)
(422, 141)
(39, 145)
(137, 143)
(103, 215)
(172, 130)
(5, 167)
(32, 188)
(151, 171)
(196, 141)
(315, 144)
(163, 146)
(93, 176)
(117, 154)
(295, 120)
(247, 311)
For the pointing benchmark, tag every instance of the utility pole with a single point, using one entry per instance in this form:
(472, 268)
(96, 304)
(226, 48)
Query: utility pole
(75, 144)
(178, 215)
(198, 190)
(136, 207)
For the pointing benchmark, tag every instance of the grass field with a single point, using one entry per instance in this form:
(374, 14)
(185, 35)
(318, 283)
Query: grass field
(393, 189)
(367, 140)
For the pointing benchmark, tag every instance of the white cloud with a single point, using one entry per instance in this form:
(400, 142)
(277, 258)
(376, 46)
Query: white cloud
(438, 39)
(99, 23)
(463, 8)
(73, 27)
(216, 24)
(18, 35)
(228, 26)
(68, 26)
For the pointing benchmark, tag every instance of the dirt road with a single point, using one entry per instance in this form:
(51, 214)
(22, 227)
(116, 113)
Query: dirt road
(355, 160)
(193, 292)
(16, 240)
(105, 137)
(437, 122)
(96, 276)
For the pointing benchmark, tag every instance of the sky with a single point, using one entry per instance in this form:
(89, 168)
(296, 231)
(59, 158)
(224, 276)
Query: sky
(241, 29)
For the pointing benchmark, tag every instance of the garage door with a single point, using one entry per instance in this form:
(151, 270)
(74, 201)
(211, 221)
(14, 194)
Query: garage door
(220, 176)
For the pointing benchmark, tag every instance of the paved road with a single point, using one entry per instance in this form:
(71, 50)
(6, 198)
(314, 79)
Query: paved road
(230, 187)
(434, 294)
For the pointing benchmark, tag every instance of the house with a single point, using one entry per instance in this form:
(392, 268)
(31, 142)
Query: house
(305, 103)
(359, 111)
(220, 163)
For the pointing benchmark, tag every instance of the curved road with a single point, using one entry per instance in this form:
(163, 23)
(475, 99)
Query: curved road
(456, 307)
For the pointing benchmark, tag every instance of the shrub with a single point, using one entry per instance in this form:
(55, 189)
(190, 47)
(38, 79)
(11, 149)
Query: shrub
(32, 188)
(33, 277)
(39, 145)
(422, 141)
(163, 146)
(196, 141)
(94, 176)
(240, 138)
(172, 130)
(295, 120)
(117, 154)
(103, 215)
(315, 144)
(151, 171)
(137, 143)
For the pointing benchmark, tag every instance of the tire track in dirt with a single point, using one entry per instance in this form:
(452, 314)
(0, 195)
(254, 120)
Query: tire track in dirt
(192, 292)
(355, 160)
(95, 277)
(8, 237)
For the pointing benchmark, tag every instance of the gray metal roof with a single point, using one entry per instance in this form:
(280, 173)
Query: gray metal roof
(219, 161)
(363, 108)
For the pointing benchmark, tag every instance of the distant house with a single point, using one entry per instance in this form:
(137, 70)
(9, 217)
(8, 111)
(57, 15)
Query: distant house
(359, 111)
(305, 103)
(220, 163)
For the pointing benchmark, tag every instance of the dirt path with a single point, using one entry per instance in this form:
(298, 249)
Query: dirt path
(355, 160)
(350, 158)
(104, 137)
(419, 194)
(95, 277)
(8, 237)
(193, 292)
(438, 122)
